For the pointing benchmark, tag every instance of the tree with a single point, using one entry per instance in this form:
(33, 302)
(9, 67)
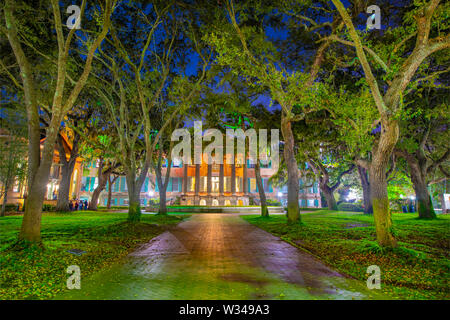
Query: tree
(12, 150)
(399, 70)
(424, 144)
(63, 99)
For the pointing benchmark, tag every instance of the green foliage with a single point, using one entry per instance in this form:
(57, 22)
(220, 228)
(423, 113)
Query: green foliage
(38, 273)
(347, 206)
(417, 269)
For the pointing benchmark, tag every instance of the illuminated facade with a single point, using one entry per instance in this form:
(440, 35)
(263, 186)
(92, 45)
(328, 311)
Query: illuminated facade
(202, 184)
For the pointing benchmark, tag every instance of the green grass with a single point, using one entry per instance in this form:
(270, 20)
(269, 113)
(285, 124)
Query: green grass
(40, 273)
(417, 269)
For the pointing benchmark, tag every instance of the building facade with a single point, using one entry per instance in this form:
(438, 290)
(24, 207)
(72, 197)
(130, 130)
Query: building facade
(18, 191)
(201, 184)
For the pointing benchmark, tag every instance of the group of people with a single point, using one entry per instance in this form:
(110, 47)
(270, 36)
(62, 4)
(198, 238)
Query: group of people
(78, 204)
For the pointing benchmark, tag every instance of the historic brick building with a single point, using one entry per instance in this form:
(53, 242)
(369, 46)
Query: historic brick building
(204, 185)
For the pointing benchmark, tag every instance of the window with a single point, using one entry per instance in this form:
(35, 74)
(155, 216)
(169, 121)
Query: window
(191, 184)
(123, 184)
(252, 185)
(176, 182)
(176, 163)
(239, 186)
(215, 184)
(227, 184)
(74, 183)
(203, 184)
(265, 164)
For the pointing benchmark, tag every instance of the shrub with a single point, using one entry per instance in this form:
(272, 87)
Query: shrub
(12, 207)
(48, 207)
(346, 206)
(271, 202)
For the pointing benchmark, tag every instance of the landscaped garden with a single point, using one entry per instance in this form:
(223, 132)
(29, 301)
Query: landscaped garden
(419, 268)
(40, 272)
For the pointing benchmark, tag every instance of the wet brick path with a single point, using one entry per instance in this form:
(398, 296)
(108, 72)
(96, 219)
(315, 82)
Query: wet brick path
(218, 256)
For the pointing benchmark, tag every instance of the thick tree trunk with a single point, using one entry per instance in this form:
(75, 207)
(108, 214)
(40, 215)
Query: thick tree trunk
(134, 190)
(93, 205)
(378, 184)
(31, 223)
(134, 209)
(368, 209)
(67, 167)
(425, 206)
(162, 202)
(62, 204)
(262, 194)
(293, 210)
(329, 196)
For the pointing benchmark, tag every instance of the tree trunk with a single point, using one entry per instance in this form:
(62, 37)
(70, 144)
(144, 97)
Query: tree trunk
(442, 199)
(134, 209)
(262, 194)
(134, 189)
(31, 223)
(378, 184)
(5, 196)
(67, 167)
(162, 202)
(62, 204)
(162, 189)
(425, 206)
(368, 209)
(134, 204)
(293, 210)
(111, 182)
(329, 196)
(103, 177)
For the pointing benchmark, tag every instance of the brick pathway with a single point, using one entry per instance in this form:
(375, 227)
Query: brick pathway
(219, 256)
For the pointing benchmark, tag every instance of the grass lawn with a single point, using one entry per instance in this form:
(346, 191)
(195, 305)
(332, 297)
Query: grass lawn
(418, 269)
(38, 273)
